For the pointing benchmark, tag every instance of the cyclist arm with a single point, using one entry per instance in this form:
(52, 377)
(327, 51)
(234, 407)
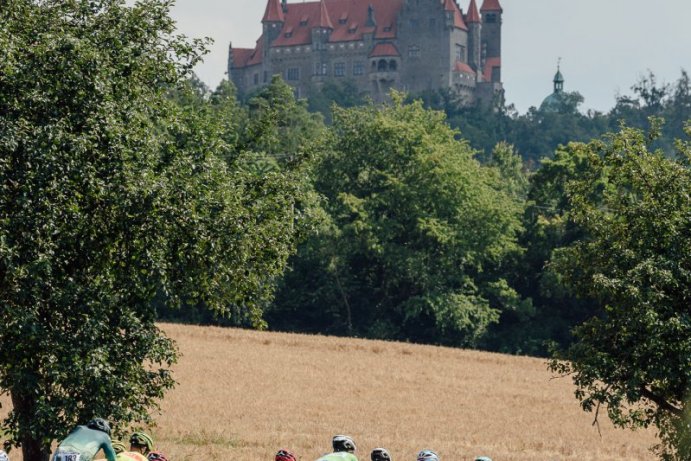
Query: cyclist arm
(109, 452)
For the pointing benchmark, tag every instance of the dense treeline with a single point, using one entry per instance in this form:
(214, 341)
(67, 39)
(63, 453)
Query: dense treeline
(414, 235)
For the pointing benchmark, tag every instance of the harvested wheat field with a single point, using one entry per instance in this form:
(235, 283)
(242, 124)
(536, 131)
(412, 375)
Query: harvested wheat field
(245, 394)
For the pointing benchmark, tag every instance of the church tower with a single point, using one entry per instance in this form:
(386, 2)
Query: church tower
(491, 39)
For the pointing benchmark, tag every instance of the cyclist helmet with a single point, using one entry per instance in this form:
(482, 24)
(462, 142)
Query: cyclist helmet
(427, 455)
(99, 424)
(343, 443)
(285, 455)
(156, 456)
(142, 440)
(380, 454)
(118, 447)
(3, 456)
(483, 458)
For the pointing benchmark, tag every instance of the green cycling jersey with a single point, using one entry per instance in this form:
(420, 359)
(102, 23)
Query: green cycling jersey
(339, 456)
(82, 444)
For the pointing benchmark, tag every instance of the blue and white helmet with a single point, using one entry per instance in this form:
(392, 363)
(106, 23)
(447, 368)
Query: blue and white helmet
(427, 455)
(343, 443)
(3, 456)
(483, 458)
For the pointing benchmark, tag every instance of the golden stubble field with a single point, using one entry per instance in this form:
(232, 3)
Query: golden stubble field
(245, 394)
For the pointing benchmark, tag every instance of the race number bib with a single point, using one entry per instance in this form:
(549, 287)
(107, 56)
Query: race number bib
(67, 456)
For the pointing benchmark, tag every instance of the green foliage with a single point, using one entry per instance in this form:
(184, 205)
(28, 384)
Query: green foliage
(418, 230)
(118, 187)
(634, 358)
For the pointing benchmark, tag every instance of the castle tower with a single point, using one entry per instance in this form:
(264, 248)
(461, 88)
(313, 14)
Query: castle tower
(272, 22)
(474, 38)
(321, 34)
(491, 39)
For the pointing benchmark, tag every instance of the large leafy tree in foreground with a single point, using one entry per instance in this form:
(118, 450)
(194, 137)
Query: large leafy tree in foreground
(111, 196)
(634, 207)
(417, 233)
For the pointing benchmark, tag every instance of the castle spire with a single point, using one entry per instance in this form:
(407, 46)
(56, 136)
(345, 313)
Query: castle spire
(324, 19)
(491, 5)
(273, 12)
(473, 15)
(558, 79)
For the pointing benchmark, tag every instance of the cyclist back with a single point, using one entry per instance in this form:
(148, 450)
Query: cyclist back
(84, 442)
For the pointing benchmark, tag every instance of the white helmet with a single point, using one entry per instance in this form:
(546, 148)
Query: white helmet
(427, 455)
(3, 456)
(343, 443)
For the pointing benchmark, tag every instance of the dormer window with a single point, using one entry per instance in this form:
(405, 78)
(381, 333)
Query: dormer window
(343, 19)
(288, 33)
(303, 20)
(387, 29)
(352, 28)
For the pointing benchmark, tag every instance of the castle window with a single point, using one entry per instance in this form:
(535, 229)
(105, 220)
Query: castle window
(343, 19)
(339, 69)
(413, 51)
(358, 68)
(303, 20)
(352, 28)
(266, 76)
(460, 52)
(256, 78)
(293, 74)
(321, 68)
(490, 17)
(381, 65)
(388, 28)
(393, 65)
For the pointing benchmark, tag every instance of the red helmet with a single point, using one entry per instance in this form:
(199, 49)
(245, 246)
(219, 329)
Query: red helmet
(156, 456)
(285, 455)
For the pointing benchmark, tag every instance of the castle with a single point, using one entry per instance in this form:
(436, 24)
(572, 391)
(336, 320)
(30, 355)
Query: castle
(410, 45)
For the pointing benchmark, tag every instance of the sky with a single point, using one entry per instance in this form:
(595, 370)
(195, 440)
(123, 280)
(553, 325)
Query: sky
(605, 46)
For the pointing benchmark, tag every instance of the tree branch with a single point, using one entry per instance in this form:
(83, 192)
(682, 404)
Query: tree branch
(662, 403)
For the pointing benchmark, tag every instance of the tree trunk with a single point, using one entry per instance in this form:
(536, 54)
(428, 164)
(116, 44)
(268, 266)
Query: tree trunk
(32, 448)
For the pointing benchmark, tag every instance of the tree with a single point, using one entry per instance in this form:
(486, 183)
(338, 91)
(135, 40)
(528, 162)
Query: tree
(113, 195)
(634, 358)
(418, 230)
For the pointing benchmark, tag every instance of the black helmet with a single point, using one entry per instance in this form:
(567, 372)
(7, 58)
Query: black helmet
(380, 454)
(99, 424)
(343, 443)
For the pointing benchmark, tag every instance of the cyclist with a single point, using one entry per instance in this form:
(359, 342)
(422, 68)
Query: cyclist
(343, 449)
(380, 454)
(427, 455)
(84, 442)
(285, 455)
(3, 456)
(156, 456)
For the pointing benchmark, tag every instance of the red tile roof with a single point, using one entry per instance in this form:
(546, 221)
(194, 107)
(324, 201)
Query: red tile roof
(473, 16)
(241, 56)
(384, 50)
(347, 18)
(463, 68)
(450, 5)
(273, 12)
(491, 5)
(489, 64)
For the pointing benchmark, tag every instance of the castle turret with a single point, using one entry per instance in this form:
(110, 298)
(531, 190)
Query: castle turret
(474, 38)
(554, 102)
(272, 22)
(321, 34)
(491, 39)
